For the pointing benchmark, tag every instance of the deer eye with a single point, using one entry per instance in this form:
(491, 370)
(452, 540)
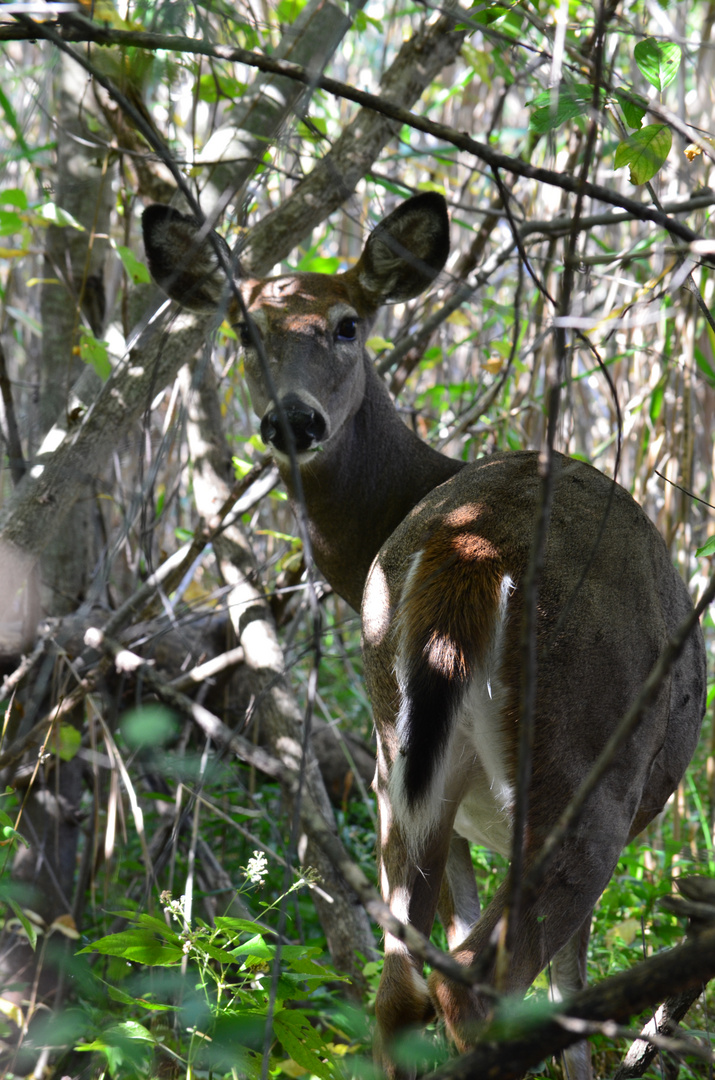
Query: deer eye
(347, 329)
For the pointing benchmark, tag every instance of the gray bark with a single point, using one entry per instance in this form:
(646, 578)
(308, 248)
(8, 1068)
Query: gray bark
(335, 177)
(238, 146)
(72, 295)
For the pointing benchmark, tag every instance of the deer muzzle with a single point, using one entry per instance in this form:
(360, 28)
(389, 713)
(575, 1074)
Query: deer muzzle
(300, 424)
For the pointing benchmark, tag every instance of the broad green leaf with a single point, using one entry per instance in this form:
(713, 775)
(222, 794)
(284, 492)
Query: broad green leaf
(644, 152)
(303, 1042)
(149, 725)
(485, 16)
(239, 926)
(571, 101)
(14, 197)
(215, 85)
(134, 269)
(117, 994)
(377, 343)
(289, 10)
(67, 741)
(658, 61)
(222, 956)
(318, 264)
(255, 947)
(10, 222)
(708, 548)
(362, 21)
(633, 107)
(141, 946)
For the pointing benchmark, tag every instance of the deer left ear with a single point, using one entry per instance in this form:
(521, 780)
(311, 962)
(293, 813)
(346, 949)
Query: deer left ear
(405, 252)
(182, 258)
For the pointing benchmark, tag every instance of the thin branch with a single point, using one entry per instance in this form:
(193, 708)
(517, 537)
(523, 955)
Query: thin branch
(18, 465)
(614, 1000)
(487, 154)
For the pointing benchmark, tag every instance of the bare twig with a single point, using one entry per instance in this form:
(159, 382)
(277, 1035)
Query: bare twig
(486, 154)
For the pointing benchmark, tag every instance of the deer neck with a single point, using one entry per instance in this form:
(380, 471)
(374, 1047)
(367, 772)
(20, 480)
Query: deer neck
(360, 487)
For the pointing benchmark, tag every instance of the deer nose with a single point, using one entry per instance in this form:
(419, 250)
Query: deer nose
(306, 424)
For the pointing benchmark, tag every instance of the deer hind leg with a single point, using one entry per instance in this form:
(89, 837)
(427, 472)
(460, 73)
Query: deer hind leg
(458, 904)
(568, 976)
(414, 855)
(559, 912)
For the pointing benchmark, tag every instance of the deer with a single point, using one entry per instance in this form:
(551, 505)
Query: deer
(433, 551)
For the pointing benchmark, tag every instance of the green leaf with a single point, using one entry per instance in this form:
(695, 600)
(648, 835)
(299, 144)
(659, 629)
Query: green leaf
(704, 365)
(303, 1042)
(255, 947)
(117, 994)
(14, 197)
(485, 16)
(215, 85)
(138, 945)
(656, 399)
(633, 106)
(67, 741)
(289, 10)
(315, 131)
(362, 21)
(318, 264)
(644, 151)
(708, 548)
(377, 343)
(658, 61)
(94, 353)
(55, 215)
(29, 928)
(134, 269)
(549, 114)
(10, 222)
(239, 926)
(149, 725)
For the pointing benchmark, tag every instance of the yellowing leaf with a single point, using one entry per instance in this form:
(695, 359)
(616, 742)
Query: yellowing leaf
(66, 925)
(377, 344)
(12, 1011)
(625, 931)
(493, 364)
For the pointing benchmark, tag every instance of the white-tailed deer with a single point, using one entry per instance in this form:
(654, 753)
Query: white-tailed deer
(435, 550)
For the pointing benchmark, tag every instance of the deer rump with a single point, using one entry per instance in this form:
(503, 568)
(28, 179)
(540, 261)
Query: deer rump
(442, 624)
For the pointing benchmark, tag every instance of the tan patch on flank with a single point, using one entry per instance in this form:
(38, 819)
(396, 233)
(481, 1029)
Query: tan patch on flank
(449, 613)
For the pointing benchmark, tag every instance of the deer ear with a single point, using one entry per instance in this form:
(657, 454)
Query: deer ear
(405, 252)
(182, 259)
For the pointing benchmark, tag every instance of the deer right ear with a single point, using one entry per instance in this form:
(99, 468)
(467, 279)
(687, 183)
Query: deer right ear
(182, 259)
(405, 252)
